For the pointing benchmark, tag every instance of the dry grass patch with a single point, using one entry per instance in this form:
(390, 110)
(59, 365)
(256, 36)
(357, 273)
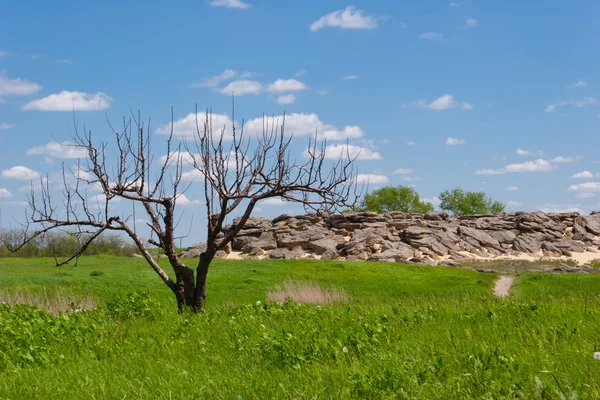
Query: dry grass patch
(307, 293)
(54, 301)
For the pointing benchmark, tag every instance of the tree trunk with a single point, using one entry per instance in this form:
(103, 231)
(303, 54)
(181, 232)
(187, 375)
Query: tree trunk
(201, 273)
(184, 287)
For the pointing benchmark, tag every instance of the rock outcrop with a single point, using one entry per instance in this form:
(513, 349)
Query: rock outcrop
(429, 238)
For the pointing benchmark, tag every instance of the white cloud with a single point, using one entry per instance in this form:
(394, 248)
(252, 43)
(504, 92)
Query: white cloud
(63, 61)
(285, 85)
(229, 4)
(513, 204)
(512, 188)
(564, 160)
(4, 193)
(186, 126)
(587, 187)
(305, 124)
(349, 77)
(301, 72)
(588, 101)
(70, 101)
(182, 200)
(274, 201)
(21, 203)
(431, 36)
(408, 178)
(243, 87)
(522, 152)
(453, 4)
(349, 18)
(404, 171)
(17, 86)
(4, 126)
(323, 92)
(578, 84)
(411, 143)
(585, 195)
(539, 165)
(215, 80)
(20, 172)
(335, 151)
(443, 102)
(561, 208)
(471, 22)
(62, 150)
(583, 175)
(433, 200)
(451, 141)
(286, 99)
(372, 179)
(184, 156)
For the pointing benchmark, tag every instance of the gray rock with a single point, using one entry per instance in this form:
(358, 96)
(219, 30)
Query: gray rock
(481, 236)
(330, 254)
(327, 243)
(526, 243)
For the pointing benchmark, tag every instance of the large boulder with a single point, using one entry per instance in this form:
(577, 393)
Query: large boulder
(527, 243)
(484, 238)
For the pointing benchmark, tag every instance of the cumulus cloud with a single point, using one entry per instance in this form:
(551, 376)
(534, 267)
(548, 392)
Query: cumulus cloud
(583, 175)
(184, 156)
(215, 80)
(70, 101)
(433, 200)
(585, 195)
(4, 193)
(286, 99)
(349, 18)
(336, 151)
(64, 150)
(512, 188)
(186, 126)
(539, 165)
(274, 201)
(444, 102)
(562, 208)
(471, 22)
(522, 152)
(301, 72)
(588, 101)
(452, 141)
(431, 36)
(4, 125)
(404, 171)
(21, 173)
(305, 124)
(285, 85)
(588, 187)
(411, 143)
(564, 160)
(372, 179)
(17, 86)
(242, 87)
(579, 84)
(183, 200)
(240, 5)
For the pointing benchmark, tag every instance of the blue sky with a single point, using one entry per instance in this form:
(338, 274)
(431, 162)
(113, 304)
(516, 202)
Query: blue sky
(494, 96)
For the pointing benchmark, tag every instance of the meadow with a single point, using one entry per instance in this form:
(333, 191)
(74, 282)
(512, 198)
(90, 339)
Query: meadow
(403, 331)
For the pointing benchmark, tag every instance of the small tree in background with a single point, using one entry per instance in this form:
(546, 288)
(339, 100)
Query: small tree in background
(395, 198)
(460, 202)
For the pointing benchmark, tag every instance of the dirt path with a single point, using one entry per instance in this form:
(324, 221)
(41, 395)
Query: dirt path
(503, 285)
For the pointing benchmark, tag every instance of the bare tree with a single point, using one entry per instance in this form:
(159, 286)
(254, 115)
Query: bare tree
(237, 171)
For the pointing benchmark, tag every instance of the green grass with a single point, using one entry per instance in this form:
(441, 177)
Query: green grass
(409, 332)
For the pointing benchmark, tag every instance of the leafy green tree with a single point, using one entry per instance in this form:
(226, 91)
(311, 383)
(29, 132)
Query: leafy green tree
(395, 198)
(460, 202)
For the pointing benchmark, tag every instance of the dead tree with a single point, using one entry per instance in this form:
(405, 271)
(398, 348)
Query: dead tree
(237, 170)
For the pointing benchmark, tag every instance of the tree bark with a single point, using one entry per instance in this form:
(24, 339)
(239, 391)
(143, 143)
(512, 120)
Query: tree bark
(201, 274)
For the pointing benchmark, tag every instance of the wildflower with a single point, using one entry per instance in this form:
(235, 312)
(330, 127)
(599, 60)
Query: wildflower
(345, 349)
(258, 303)
(597, 355)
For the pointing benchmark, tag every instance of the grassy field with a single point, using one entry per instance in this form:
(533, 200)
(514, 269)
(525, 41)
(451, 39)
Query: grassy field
(405, 332)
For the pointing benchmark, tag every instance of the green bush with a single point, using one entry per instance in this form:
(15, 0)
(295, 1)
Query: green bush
(395, 198)
(460, 202)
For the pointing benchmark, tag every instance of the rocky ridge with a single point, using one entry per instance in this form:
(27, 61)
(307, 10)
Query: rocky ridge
(432, 238)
